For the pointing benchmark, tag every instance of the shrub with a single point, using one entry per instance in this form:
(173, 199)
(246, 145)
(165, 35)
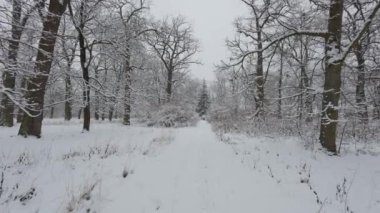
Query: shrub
(173, 116)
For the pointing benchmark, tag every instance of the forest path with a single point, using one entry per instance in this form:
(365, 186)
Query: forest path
(196, 173)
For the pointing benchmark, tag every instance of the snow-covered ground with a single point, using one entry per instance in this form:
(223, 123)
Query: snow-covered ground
(115, 168)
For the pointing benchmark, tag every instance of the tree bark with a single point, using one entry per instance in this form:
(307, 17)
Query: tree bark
(279, 104)
(127, 91)
(169, 85)
(19, 111)
(68, 94)
(9, 74)
(110, 113)
(376, 110)
(52, 112)
(332, 83)
(32, 121)
(97, 97)
(85, 69)
(361, 100)
(259, 80)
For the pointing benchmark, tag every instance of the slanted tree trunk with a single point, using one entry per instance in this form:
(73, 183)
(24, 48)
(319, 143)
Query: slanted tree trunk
(332, 83)
(32, 121)
(361, 100)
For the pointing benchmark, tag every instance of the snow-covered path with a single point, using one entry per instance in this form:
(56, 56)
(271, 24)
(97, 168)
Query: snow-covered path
(184, 170)
(196, 173)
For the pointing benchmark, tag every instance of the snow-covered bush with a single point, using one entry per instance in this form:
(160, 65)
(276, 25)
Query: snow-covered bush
(173, 116)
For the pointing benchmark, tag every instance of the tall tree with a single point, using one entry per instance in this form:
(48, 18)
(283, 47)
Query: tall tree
(9, 75)
(133, 25)
(204, 101)
(334, 57)
(32, 119)
(256, 28)
(82, 18)
(175, 46)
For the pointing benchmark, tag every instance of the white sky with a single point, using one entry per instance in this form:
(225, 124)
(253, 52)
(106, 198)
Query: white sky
(212, 22)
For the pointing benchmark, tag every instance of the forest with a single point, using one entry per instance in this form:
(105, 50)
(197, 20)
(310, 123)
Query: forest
(306, 71)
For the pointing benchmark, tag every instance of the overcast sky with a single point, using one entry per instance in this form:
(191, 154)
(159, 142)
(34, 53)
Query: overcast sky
(212, 21)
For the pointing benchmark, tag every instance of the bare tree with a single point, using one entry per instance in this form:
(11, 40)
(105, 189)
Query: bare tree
(256, 28)
(19, 20)
(68, 51)
(86, 12)
(32, 118)
(133, 25)
(334, 57)
(175, 45)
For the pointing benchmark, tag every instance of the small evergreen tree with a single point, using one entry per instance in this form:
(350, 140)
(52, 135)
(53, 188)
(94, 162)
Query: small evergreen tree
(204, 101)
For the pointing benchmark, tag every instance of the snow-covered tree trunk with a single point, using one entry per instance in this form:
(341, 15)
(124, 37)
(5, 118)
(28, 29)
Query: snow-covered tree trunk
(376, 110)
(97, 96)
(127, 91)
(9, 74)
(361, 100)
(68, 94)
(332, 83)
(259, 80)
(279, 87)
(32, 118)
(169, 85)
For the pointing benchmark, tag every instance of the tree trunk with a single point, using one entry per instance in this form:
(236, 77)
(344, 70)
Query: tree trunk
(259, 96)
(68, 94)
(300, 98)
(169, 85)
(103, 115)
(9, 74)
(376, 110)
(85, 70)
(308, 96)
(52, 112)
(361, 100)
(97, 96)
(279, 104)
(332, 83)
(86, 99)
(32, 121)
(1, 120)
(110, 114)
(127, 92)
(19, 111)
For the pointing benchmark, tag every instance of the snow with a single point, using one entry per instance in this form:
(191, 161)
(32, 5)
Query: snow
(115, 168)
